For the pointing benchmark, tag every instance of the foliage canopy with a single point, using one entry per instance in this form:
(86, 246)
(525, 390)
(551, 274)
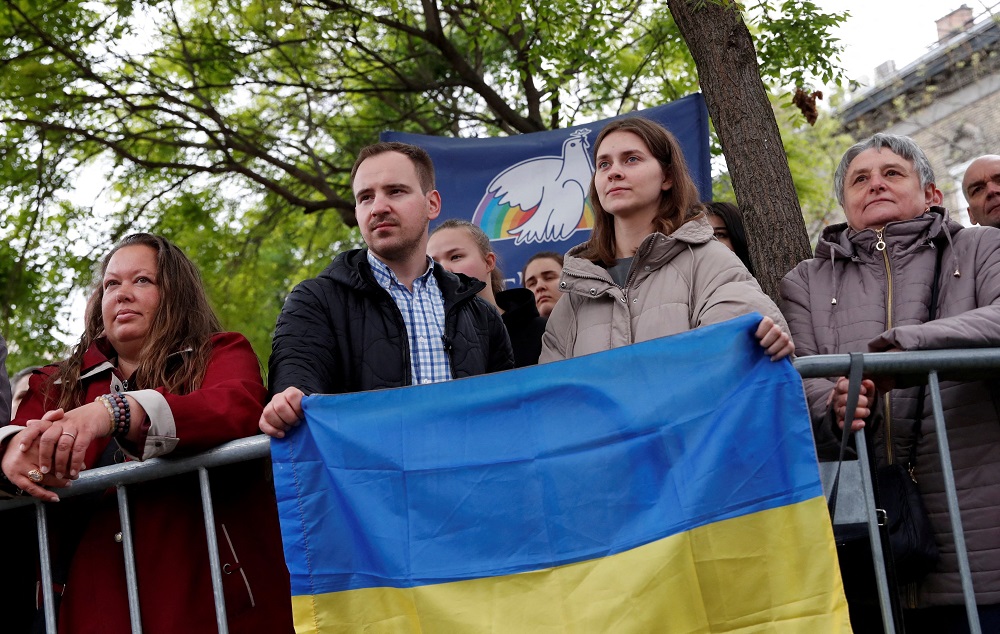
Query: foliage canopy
(219, 122)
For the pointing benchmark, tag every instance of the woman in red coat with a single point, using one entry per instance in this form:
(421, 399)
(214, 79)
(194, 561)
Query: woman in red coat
(152, 375)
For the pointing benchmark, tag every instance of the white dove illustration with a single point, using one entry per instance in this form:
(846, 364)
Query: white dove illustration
(557, 185)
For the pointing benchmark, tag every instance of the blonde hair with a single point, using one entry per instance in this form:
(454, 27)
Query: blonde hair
(485, 248)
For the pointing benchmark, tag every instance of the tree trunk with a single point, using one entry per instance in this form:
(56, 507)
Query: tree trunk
(737, 103)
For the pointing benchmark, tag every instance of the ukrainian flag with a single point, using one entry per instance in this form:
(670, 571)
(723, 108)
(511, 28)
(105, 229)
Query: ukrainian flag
(669, 486)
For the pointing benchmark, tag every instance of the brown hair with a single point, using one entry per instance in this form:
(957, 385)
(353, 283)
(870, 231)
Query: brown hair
(418, 156)
(184, 322)
(732, 217)
(541, 255)
(485, 247)
(678, 205)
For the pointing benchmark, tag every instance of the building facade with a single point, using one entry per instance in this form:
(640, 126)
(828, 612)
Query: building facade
(948, 101)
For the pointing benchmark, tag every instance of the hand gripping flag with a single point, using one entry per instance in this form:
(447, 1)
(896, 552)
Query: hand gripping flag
(668, 486)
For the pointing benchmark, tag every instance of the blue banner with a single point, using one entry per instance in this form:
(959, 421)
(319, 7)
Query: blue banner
(529, 192)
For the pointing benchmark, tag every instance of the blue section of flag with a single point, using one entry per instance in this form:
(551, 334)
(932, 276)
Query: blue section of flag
(466, 167)
(541, 466)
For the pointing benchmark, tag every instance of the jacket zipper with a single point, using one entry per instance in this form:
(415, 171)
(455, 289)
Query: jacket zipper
(638, 257)
(880, 247)
(446, 342)
(631, 276)
(909, 591)
(401, 324)
(628, 282)
(450, 316)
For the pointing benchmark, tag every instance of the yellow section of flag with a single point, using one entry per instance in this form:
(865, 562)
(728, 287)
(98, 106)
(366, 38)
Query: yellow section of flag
(771, 571)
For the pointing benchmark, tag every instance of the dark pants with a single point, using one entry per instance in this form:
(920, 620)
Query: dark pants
(19, 570)
(858, 573)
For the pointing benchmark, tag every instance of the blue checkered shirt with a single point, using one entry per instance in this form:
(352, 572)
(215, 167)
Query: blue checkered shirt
(423, 313)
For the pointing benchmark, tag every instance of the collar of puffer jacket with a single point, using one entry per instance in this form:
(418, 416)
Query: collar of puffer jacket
(654, 251)
(840, 241)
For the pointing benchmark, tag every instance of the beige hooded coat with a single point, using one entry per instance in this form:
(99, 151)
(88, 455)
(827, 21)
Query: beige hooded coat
(676, 283)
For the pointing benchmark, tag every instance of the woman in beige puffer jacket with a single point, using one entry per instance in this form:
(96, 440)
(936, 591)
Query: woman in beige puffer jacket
(651, 267)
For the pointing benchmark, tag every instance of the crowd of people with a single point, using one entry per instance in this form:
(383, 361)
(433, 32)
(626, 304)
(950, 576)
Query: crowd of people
(155, 373)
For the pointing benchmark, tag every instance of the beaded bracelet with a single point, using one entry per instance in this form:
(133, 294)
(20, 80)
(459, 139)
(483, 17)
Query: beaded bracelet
(125, 418)
(111, 411)
(118, 407)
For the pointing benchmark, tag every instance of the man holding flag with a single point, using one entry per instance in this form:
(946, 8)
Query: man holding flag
(385, 316)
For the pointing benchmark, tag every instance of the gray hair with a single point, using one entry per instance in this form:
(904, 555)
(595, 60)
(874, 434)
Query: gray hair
(900, 145)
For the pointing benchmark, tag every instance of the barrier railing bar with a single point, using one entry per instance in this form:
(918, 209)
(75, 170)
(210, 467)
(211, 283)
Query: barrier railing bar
(213, 551)
(874, 537)
(45, 562)
(913, 362)
(985, 362)
(952, 496)
(258, 446)
(102, 478)
(131, 580)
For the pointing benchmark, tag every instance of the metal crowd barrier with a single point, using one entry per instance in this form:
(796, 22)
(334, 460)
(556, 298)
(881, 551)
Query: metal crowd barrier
(121, 475)
(929, 363)
(956, 364)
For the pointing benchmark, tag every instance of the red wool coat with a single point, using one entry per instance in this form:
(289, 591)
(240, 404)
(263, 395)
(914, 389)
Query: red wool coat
(171, 555)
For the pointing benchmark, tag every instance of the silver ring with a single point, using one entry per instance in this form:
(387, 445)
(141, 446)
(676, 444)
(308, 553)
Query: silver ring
(66, 433)
(35, 476)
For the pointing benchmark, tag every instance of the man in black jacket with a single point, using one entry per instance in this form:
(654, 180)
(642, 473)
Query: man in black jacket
(385, 316)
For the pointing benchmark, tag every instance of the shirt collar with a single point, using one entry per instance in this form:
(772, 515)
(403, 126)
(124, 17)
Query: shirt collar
(384, 275)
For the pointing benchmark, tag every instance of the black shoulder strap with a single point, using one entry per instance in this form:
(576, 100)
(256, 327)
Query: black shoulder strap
(853, 392)
(918, 417)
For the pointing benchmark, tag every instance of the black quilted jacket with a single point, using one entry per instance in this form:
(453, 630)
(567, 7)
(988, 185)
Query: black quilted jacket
(341, 332)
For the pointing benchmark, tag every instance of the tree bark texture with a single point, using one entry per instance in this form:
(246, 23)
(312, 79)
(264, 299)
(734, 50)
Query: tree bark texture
(737, 103)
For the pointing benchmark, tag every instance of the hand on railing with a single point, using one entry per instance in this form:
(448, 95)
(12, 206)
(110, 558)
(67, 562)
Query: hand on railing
(20, 463)
(838, 400)
(62, 445)
(884, 383)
